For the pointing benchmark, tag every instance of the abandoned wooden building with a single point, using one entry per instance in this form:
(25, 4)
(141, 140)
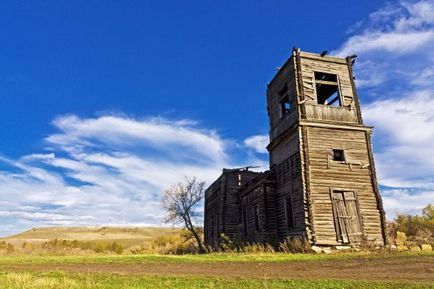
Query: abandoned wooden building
(322, 182)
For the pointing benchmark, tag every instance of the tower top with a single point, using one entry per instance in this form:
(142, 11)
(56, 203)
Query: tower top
(312, 87)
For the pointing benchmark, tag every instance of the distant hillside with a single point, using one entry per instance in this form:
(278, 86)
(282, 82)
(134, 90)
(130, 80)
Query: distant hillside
(128, 236)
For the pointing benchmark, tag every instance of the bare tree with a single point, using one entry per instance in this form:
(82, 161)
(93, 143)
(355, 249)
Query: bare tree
(180, 202)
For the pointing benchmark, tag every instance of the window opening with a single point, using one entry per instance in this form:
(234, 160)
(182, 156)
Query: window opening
(284, 103)
(256, 211)
(245, 223)
(289, 215)
(339, 155)
(212, 227)
(327, 89)
(218, 227)
(347, 218)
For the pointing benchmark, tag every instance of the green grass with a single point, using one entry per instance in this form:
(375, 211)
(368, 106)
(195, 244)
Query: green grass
(14, 274)
(60, 280)
(206, 258)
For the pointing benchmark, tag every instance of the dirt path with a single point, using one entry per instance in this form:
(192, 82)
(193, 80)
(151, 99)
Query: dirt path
(414, 269)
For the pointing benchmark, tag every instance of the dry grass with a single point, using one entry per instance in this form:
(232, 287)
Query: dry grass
(85, 240)
(127, 236)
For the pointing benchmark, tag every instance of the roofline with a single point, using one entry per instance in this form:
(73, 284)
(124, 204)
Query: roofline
(309, 55)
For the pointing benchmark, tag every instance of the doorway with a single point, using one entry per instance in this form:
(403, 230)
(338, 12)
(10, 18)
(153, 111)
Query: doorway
(347, 218)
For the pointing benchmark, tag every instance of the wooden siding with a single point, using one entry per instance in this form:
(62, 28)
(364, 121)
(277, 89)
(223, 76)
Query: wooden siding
(279, 123)
(287, 147)
(284, 124)
(222, 206)
(328, 113)
(353, 175)
(309, 66)
(260, 198)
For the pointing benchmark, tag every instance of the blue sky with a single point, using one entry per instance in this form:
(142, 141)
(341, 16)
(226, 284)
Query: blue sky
(103, 104)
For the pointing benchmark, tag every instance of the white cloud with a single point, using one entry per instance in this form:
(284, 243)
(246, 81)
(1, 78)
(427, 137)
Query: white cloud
(393, 43)
(107, 170)
(405, 165)
(258, 143)
(406, 200)
(395, 46)
(390, 42)
(125, 132)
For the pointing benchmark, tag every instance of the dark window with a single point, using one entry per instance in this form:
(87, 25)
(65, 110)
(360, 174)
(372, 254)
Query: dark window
(212, 227)
(217, 227)
(338, 155)
(327, 89)
(256, 212)
(245, 223)
(289, 212)
(284, 102)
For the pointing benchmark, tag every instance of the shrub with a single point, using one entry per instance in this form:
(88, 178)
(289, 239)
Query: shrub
(183, 243)
(417, 228)
(67, 246)
(6, 247)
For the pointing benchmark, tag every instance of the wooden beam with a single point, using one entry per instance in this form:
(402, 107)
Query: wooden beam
(326, 82)
(329, 125)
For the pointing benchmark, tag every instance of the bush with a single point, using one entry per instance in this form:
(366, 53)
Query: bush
(183, 243)
(67, 246)
(418, 228)
(6, 247)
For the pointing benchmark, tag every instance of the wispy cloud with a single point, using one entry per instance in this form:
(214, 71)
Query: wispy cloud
(396, 51)
(395, 43)
(258, 143)
(107, 170)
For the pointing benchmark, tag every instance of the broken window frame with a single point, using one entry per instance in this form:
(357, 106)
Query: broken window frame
(336, 83)
(284, 101)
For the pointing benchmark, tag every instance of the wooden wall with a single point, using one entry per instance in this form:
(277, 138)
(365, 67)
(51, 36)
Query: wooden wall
(222, 205)
(285, 76)
(352, 175)
(311, 63)
(212, 206)
(260, 197)
(279, 153)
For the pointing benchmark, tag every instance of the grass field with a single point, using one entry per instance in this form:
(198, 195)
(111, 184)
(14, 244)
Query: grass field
(259, 270)
(351, 270)
(59, 280)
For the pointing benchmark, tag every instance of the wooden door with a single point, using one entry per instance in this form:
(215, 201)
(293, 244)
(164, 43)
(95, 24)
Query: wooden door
(347, 219)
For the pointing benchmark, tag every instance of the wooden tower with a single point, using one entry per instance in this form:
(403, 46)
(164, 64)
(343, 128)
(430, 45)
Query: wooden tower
(320, 152)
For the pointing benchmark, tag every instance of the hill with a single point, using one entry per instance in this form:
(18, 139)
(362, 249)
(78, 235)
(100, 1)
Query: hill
(128, 236)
